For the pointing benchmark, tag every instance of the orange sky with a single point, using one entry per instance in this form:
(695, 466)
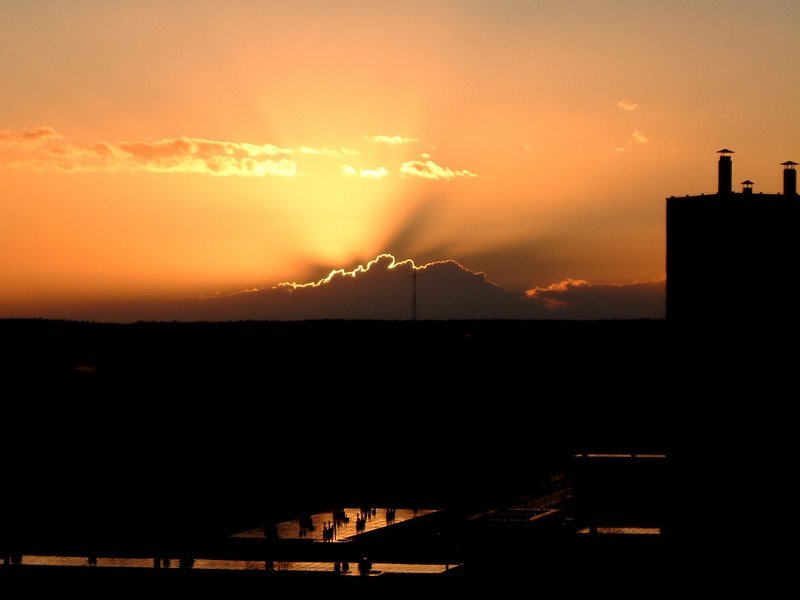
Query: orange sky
(172, 149)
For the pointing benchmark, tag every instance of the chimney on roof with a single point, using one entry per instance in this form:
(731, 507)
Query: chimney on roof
(789, 178)
(747, 187)
(725, 172)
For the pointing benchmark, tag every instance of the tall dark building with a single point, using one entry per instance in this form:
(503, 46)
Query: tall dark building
(733, 255)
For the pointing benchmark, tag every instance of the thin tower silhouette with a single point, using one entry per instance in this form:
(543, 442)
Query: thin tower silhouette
(413, 277)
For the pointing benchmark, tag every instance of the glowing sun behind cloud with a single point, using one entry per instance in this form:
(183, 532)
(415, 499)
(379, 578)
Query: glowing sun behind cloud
(167, 150)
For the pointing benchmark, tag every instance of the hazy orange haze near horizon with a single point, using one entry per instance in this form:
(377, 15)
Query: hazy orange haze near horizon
(171, 149)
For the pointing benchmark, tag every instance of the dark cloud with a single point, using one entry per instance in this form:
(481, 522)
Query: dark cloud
(382, 289)
(578, 299)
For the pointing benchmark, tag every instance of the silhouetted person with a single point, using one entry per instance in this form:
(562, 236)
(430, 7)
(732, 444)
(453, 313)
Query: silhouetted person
(364, 565)
(271, 531)
(306, 523)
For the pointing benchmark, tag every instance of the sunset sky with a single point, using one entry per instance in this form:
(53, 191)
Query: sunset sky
(168, 150)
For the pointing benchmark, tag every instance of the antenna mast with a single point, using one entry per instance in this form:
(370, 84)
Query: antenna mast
(414, 296)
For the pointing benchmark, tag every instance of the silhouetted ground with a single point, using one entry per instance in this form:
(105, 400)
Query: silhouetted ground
(131, 433)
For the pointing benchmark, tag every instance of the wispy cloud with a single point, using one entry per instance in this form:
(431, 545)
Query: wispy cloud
(169, 155)
(430, 170)
(41, 149)
(36, 150)
(31, 138)
(637, 137)
(211, 157)
(341, 153)
(627, 105)
(378, 173)
(391, 140)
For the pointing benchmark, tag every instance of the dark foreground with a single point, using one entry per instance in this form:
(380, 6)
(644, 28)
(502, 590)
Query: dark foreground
(122, 436)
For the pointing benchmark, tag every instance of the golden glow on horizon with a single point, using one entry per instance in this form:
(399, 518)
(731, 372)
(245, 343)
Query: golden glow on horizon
(161, 150)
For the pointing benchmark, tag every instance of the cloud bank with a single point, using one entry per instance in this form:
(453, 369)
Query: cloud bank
(40, 149)
(210, 157)
(382, 289)
(167, 155)
(580, 299)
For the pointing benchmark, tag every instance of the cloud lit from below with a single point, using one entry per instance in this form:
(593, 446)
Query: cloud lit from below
(377, 173)
(430, 170)
(168, 155)
(32, 138)
(390, 140)
(581, 299)
(35, 150)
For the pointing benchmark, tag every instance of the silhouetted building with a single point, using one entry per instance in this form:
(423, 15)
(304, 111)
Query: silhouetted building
(731, 255)
(623, 491)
